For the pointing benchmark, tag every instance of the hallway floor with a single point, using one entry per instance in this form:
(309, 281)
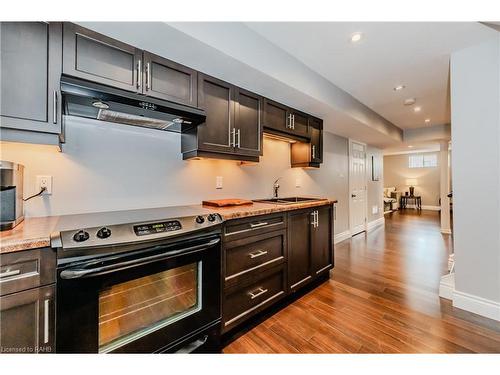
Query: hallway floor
(382, 297)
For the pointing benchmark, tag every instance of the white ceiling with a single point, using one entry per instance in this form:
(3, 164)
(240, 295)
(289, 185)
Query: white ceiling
(415, 54)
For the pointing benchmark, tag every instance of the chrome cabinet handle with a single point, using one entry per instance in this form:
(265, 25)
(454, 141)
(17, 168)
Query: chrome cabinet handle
(257, 225)
(148, 77)
(289, 121)
(139, 74)
(233, 136)
(54, 108)
(293, 122)
(9, 273)
(314, 151)
(317, 218)
(258, 292)
(239, 138)
(313, 223)
(257, 254)
(46, 321)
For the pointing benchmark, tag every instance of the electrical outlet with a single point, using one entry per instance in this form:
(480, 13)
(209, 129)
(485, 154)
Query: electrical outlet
(219, 182)
(374, 210)
(297, 182)
(44, 182)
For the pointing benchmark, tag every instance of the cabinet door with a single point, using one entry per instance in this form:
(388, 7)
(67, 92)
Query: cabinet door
(95, 57)
(30, 70)
(248, 123)
(27, 324)
(299, 242)
(316, 130)
(300, 124)
(165, 79)
(321, 241)
(216, 97)
(276, 116)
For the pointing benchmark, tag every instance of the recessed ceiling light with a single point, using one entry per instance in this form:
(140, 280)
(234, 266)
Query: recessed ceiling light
(417, 109)
(356, 37)
(427, 120)
(399, 87)
(410, 146)
(410, 101)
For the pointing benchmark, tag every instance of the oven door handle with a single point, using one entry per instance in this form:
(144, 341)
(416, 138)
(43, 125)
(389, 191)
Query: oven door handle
(80, 273)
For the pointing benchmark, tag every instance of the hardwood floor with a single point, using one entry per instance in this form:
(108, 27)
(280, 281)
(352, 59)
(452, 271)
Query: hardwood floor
(382, 297)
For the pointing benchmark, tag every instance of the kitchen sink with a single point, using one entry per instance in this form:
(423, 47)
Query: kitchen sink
(288, 200)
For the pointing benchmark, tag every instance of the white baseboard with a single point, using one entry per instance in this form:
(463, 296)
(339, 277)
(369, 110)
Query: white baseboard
(342, 236)
(477, 305)
(447, 286)
(431, 208)
(469, 302)
(375, 223)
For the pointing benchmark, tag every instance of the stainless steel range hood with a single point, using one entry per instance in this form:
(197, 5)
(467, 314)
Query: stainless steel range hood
(90, 100)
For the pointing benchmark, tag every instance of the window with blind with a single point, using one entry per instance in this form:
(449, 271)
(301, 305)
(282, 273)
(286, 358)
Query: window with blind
(422, 161)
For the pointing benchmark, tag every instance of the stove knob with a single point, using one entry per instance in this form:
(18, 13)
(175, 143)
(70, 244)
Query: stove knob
(104, 233)
(211, 217)
(81, 236)
(200, 219)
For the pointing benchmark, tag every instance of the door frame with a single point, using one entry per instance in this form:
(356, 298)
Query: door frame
(351, 141)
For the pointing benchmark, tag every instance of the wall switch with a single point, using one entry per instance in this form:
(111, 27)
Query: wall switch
(297, 182)
(218, 182)
(44, 182)
(374, 210)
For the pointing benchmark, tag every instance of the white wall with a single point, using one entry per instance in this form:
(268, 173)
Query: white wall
(475, 102)
(105, 167)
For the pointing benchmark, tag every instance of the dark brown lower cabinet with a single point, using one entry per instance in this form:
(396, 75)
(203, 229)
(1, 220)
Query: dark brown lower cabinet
(310, 249)
(27, 321)
(268, 257)
(299, 248)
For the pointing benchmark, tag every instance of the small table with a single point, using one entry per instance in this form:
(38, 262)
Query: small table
(406, 199)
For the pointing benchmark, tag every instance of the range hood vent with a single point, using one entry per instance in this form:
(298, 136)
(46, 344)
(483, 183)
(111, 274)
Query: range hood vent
(90, 100)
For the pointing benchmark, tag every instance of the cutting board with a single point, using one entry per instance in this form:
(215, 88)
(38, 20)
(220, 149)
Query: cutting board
(226, 202)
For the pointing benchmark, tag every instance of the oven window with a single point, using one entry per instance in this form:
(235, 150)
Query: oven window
(135, 308)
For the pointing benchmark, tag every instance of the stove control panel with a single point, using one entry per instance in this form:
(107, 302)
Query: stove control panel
(153, 228)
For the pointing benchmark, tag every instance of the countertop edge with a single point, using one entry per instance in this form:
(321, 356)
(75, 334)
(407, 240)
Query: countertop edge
(8, 246)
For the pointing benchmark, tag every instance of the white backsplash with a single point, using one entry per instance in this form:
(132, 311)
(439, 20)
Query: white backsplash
(106, 167)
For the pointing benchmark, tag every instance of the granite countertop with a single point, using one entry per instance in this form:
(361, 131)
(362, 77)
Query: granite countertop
(35, 232)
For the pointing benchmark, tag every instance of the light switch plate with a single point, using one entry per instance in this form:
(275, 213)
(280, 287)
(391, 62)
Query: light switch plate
(219, 182)
(46, 182)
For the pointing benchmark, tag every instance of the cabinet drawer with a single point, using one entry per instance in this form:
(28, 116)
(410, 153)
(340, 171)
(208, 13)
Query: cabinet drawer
(26, 269)
(242, 302)
(240, 228)
(252, 253)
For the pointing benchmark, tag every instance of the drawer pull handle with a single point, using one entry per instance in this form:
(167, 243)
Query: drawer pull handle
(9, 273)
(258, 293)
(257, 254)
(257, 225)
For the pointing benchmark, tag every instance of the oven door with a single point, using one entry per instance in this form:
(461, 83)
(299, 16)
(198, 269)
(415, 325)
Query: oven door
(139, 301)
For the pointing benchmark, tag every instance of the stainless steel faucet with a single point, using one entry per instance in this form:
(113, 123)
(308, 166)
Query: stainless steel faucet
(276, 187)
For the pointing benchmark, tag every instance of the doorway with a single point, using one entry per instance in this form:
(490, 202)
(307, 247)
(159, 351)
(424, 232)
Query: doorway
(357, 187)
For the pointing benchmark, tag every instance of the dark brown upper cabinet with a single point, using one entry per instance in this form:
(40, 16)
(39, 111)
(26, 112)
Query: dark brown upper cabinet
(232, 129)
(309, 154)
(299, 123)
(248, 123)
(284, 121)
(98, 58)
(31, 59)
(165, 79)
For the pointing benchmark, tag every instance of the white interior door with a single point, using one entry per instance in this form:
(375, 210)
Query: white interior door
(357, 187)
